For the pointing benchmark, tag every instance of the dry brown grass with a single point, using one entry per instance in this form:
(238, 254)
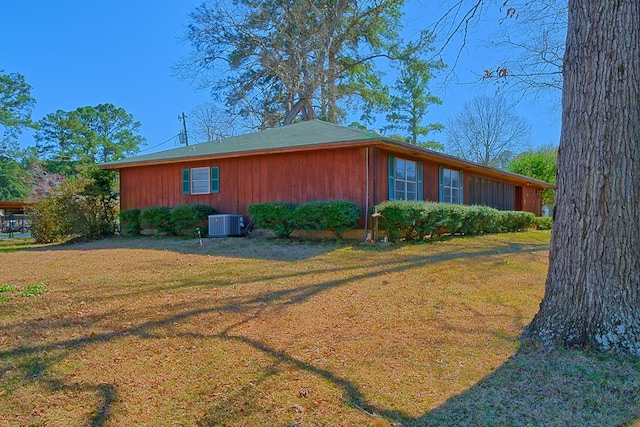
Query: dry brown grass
(265, 332)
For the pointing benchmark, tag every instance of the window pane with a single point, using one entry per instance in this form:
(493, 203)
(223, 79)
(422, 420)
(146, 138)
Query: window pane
(199, 187)
(455, 193)
(454, 179)
(411, 187)
(406, 180)
(411, 171)
(199, 180)
(446, 178)
(400, 169)
(200, 174)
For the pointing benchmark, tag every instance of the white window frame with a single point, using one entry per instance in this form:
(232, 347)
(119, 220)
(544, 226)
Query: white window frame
(197, 184)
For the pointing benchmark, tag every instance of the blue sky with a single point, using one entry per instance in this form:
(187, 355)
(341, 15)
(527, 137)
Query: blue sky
(76, 53)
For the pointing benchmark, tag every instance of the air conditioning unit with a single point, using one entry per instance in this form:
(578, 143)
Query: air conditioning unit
(225, 225)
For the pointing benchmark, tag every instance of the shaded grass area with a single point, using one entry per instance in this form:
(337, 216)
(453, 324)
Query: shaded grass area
(266, 332)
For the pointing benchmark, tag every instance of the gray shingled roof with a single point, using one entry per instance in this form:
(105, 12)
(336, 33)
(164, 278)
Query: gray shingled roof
(308, 133)
(299, 135)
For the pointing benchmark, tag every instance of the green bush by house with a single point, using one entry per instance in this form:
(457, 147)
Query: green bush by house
(404, 220)
(158, 217)
(333, 215)
(181, 220)
(275, 216)
(283, 218)
(130, 222)
(542, 223)
(184, 219)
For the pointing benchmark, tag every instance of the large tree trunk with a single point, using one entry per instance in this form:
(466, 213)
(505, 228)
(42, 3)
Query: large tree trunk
(592, 295)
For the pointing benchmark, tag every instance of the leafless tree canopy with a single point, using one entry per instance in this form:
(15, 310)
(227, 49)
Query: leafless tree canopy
(526, 52)
(209, 123)
(487, 131)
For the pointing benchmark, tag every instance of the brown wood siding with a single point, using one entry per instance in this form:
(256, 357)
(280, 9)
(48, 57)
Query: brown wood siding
(292, 177)
(430, 178)
(532, 200)
(295, 177)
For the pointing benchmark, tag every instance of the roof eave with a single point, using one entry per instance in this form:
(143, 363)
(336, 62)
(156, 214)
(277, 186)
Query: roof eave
(395, 145)
(464, 165)
(236, 154)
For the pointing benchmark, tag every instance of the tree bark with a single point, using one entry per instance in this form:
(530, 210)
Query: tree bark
(592, 295)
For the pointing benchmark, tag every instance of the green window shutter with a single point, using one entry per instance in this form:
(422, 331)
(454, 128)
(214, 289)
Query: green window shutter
(185, 181)
(215, 179)
(440, 184)
(461, 188)
(392, 178)
(419, 172)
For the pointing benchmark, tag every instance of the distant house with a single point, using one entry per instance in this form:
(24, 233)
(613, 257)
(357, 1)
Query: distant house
(12, 217)
(315, 160)
(8, 207)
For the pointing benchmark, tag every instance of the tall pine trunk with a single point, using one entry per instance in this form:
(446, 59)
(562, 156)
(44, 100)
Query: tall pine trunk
(592, 295)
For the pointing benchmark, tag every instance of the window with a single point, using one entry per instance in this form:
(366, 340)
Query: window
(450, 186)
(201, 180)
(405, 179)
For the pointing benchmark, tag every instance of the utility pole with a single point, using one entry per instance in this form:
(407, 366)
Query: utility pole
(183, 134)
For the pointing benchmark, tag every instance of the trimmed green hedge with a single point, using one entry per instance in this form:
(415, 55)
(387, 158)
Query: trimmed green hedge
(180, 220)
(419, 220)
(337, 216)
(277, 217)
(542, 223)
(185, 219)
(283, 218)
(158, 217)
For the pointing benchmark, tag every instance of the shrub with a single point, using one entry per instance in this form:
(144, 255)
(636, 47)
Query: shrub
(48, 222)
(276, 216)
(404, 220)
(407, 220)
(185, 219)
(450, 218)
(158, 217)
(542, 223)
(79, 207)
(481, 219)
(130, 222)
(516, 220)
(335, 215)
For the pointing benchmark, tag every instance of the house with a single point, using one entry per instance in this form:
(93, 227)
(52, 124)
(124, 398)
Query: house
(12, 217)
(315, 160)
(8, 207)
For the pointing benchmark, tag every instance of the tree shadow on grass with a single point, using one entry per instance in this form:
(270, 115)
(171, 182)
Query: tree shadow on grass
(538, 388)
(258, 248)
(262, 248)
(532, 388)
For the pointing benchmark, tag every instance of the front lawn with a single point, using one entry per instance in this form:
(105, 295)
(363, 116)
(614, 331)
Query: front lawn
(257, 332)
